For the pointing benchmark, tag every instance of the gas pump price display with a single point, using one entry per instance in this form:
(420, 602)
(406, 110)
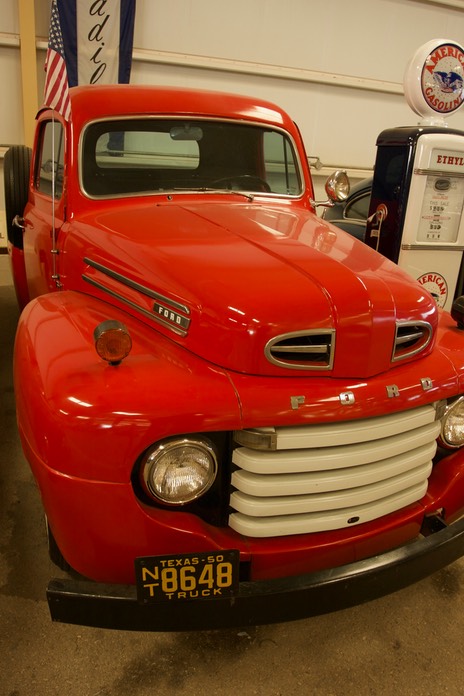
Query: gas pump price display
(443, 200)
(208, 575)
(441, 209)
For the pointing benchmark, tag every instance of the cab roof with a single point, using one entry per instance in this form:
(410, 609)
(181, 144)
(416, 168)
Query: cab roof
(93, 102)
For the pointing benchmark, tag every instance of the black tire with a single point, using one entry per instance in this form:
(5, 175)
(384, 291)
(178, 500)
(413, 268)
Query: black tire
(16, 170)
(54, 552)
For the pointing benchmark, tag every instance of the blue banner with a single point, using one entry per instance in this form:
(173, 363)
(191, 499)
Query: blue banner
(97, 39)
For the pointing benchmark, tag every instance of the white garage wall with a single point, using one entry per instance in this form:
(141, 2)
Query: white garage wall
(337, 66)
(10, 75)
(368, 40)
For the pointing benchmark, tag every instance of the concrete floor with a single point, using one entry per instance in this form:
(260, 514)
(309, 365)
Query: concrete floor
(410, 643)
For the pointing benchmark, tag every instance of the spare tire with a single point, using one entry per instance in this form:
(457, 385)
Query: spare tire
(16, 169)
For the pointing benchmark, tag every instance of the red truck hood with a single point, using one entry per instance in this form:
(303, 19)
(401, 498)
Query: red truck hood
(228, 281)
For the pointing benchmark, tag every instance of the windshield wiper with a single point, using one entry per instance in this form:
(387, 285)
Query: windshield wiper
(204, 189)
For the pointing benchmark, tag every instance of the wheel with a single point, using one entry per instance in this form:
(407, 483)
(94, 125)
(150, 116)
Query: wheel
(16, 168)
(250, 182)
(54, 552)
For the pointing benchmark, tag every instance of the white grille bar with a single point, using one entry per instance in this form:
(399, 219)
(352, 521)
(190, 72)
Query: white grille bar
(322, 458)
(315, 522)
(329, 500)
(330, 480)
(347, 432)
(330, 476)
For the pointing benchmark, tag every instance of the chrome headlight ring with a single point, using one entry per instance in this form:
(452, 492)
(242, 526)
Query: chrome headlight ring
(179, 471)
(452, 425)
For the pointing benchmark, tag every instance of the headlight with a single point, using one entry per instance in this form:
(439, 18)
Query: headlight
(179, 471)
(452, 424)
(337, 186)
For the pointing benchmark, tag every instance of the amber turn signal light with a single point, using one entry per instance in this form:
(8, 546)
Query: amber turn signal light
(112, 341)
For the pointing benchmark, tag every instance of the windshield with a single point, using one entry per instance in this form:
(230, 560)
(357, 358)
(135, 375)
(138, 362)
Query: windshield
(142, 156)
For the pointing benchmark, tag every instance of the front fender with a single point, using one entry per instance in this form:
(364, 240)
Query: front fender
(83, 417)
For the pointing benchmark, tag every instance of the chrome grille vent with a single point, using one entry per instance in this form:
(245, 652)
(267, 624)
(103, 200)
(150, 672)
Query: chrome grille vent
(302, 350)
(411, 338)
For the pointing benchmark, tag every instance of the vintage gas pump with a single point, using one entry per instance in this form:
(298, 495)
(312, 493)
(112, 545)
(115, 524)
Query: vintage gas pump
(416, 210)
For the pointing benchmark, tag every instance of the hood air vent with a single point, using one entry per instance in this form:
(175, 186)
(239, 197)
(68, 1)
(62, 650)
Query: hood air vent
(411, 338)
(302, 350)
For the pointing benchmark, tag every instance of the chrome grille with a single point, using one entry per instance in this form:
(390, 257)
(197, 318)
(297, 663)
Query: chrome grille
(312, 349)
(315, 349)
(325, 477)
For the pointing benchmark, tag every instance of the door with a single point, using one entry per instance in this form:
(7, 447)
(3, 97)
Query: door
(44, 217)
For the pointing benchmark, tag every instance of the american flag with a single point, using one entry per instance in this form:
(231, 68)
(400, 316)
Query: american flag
(56, 93)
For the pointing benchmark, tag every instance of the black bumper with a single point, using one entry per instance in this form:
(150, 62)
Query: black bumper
(263, 602)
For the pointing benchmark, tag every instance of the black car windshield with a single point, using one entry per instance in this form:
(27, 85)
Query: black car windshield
(145, 156)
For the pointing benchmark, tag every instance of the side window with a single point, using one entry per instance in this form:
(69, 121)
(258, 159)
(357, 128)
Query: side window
(279, 161)
(50, 167)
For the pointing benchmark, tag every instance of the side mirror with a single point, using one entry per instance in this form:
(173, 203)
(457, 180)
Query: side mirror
(337, 188)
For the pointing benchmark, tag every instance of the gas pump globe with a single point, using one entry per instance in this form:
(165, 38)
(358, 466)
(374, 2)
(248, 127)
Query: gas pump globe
(416, 210)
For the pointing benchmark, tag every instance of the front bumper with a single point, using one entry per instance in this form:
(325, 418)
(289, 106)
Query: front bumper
(266, 601)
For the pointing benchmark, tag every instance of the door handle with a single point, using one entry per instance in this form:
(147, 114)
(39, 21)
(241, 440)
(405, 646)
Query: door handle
(19, 221)
(375, 221)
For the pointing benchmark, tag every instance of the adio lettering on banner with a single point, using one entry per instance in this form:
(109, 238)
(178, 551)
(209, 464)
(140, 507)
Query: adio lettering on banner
(97, 40)
(97, 34)
(98, 29)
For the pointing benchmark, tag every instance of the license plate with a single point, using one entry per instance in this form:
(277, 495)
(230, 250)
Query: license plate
(209, 575)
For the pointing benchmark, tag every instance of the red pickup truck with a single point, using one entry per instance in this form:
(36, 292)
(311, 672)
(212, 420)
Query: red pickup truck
(235, 412)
